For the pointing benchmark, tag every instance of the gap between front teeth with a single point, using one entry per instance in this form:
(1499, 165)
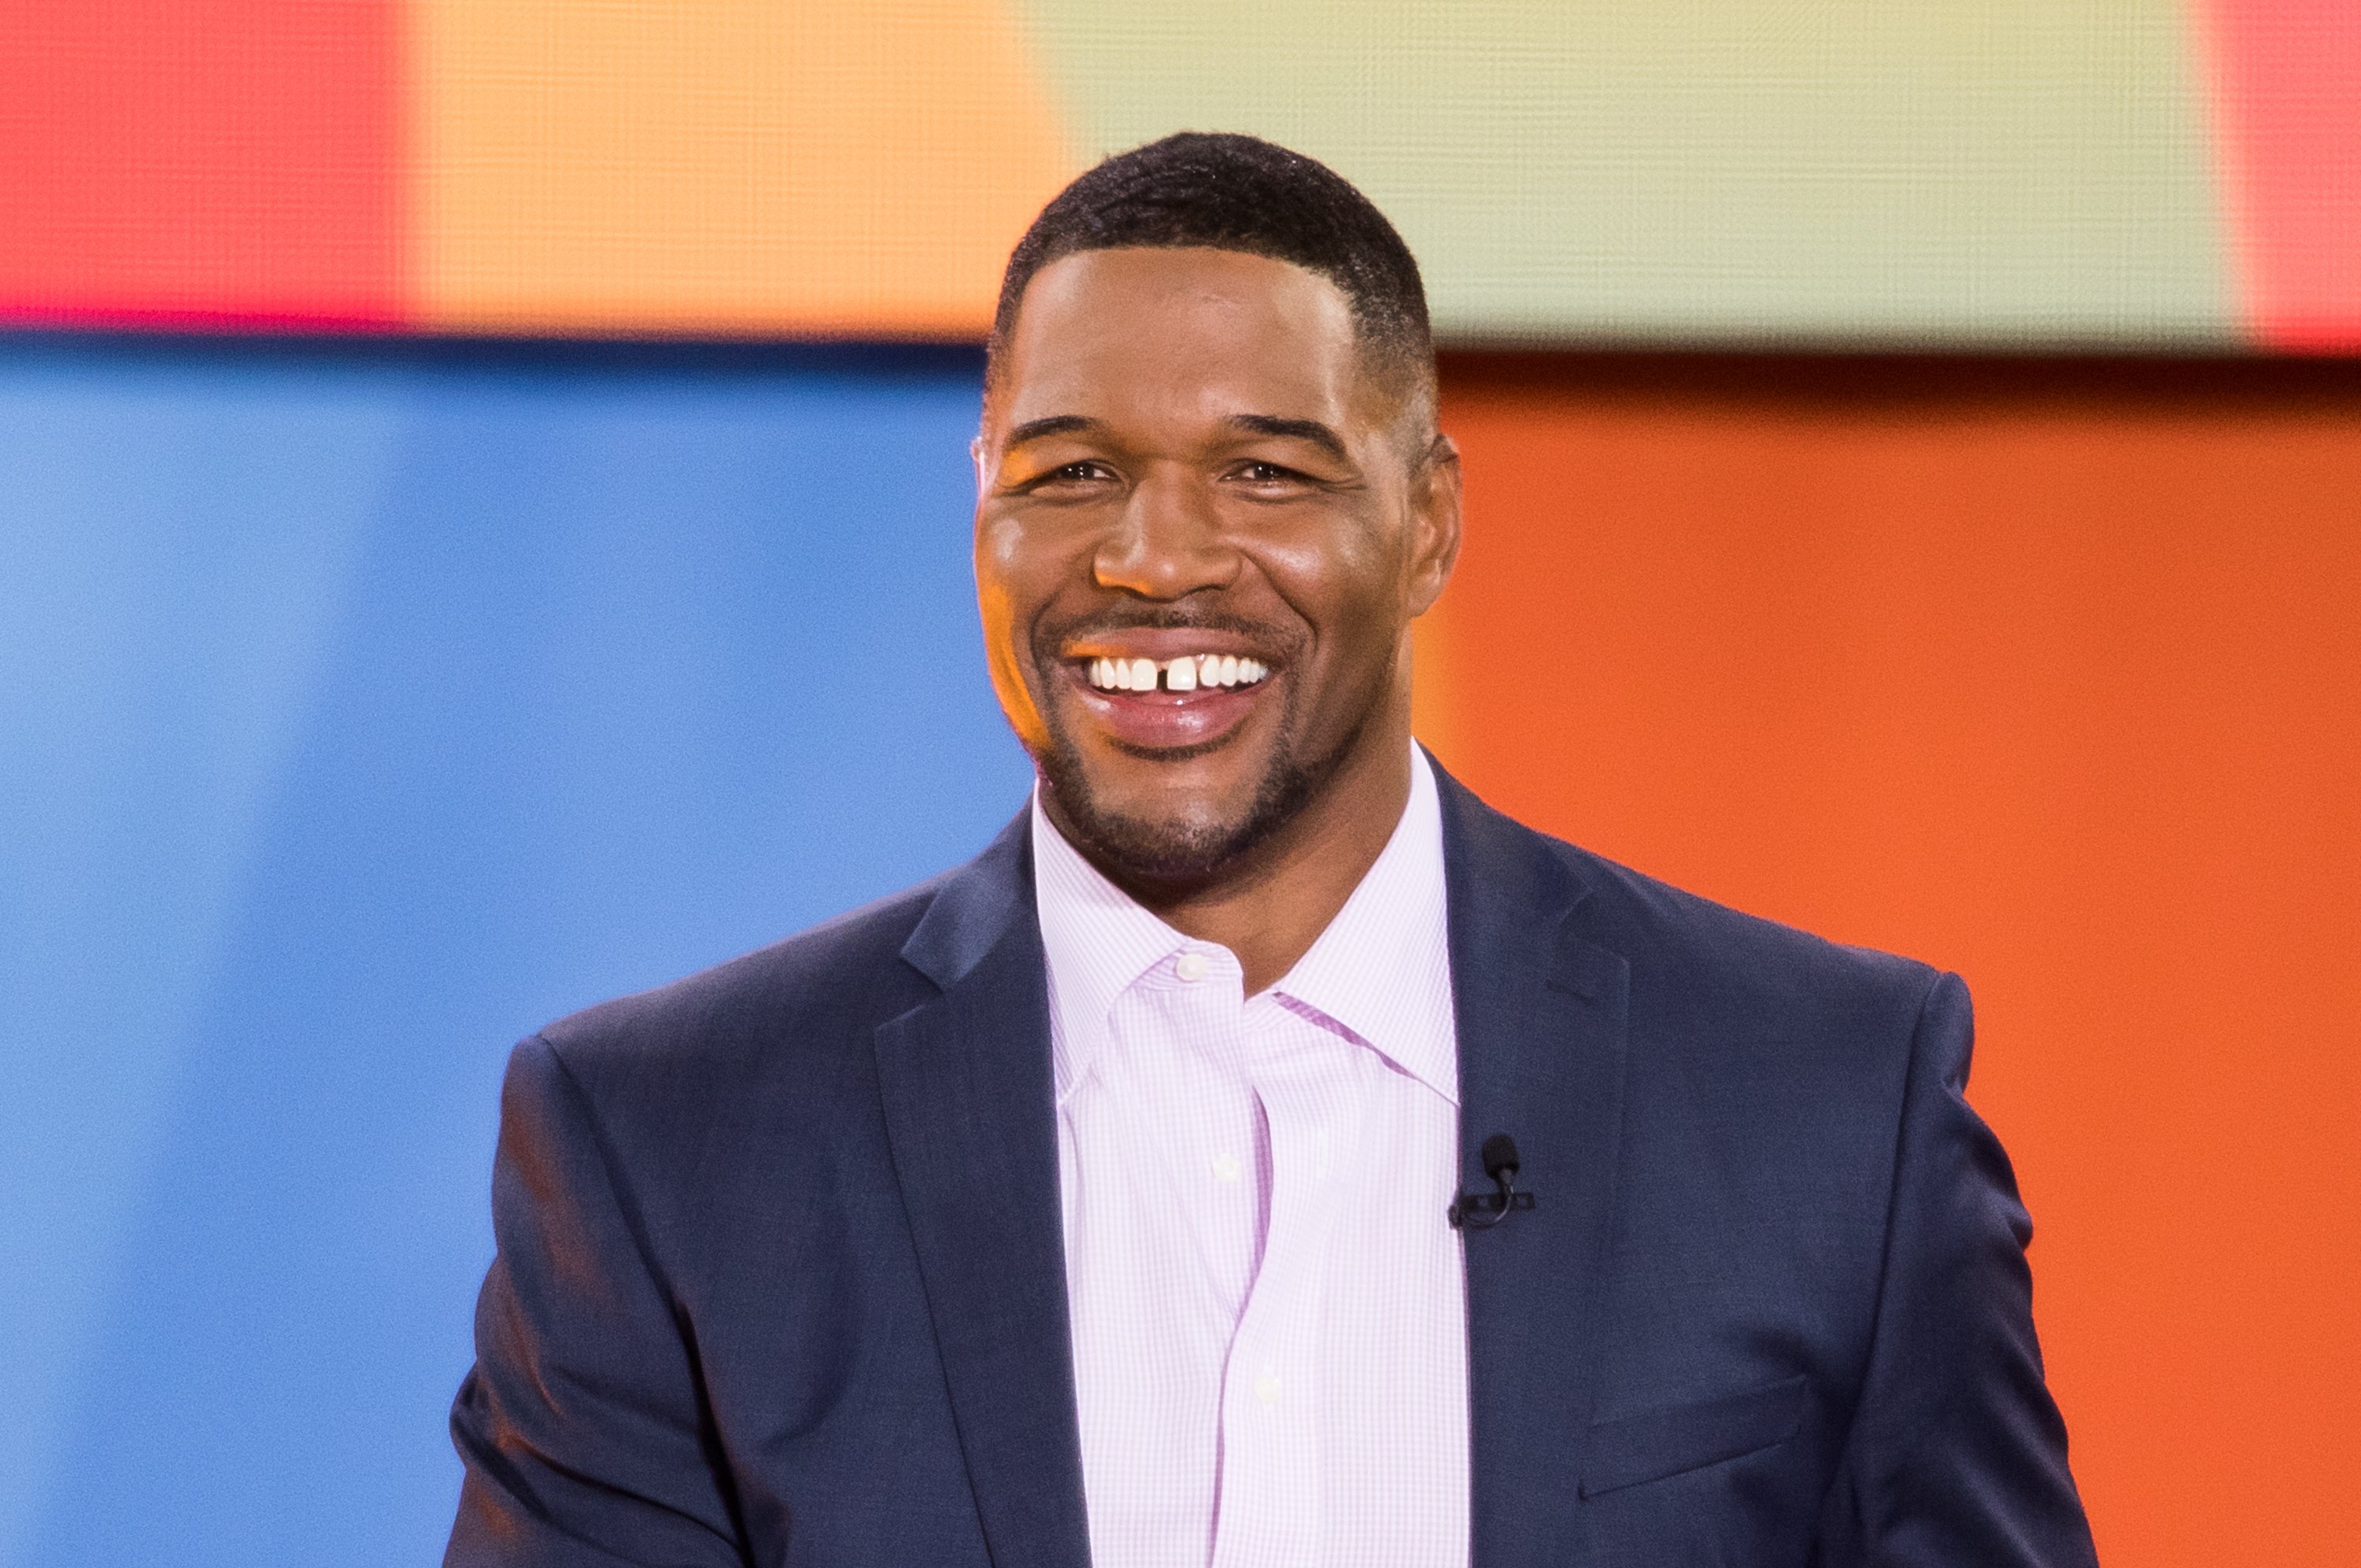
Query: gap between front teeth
(1185, 675)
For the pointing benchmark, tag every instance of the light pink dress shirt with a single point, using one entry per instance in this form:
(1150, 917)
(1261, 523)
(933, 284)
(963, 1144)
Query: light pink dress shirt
(1269, 1317)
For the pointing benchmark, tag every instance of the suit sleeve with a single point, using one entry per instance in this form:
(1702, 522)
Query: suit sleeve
(580, 1427)
(1957, 1457)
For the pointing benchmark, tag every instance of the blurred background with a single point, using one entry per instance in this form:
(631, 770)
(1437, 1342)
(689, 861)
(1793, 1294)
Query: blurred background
(483, 526)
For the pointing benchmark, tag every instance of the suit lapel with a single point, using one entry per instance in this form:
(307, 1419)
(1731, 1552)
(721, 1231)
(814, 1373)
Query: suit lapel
(1540, 1014)
(965, 1079)
(969, 1111)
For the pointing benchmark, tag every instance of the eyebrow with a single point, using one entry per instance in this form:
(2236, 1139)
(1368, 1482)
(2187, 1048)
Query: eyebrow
(1056, 424)
(1307, 430)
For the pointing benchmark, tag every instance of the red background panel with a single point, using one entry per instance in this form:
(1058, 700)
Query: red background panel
(201, 161)
(2287, 98)
(2049, 673)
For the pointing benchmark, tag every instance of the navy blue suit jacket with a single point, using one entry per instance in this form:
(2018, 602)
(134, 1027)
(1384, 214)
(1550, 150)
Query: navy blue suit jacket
(780, 1275)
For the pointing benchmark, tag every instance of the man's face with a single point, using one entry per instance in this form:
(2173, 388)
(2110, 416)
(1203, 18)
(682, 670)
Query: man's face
(1202, 533)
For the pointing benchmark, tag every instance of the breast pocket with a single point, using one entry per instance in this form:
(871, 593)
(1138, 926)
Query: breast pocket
(1652, 1444)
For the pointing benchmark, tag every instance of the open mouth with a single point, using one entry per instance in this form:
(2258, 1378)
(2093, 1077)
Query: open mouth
(1169, 697)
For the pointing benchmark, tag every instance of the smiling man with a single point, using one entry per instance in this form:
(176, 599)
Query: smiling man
(1264, 1153)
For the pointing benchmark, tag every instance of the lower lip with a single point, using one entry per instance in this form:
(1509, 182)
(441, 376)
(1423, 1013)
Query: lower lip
(1167, 720)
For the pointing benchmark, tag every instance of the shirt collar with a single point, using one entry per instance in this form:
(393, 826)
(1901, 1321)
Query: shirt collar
(1097, 940)
(1381, 969)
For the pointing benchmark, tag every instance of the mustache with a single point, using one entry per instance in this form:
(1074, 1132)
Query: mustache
(1277, 643)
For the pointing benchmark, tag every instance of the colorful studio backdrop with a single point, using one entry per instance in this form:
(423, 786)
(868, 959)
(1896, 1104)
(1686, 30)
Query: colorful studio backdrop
(1985, 173)
(483, 526)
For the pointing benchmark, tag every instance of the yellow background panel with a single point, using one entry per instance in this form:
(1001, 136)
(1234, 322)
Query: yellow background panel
(1934, 172)
(724, 166)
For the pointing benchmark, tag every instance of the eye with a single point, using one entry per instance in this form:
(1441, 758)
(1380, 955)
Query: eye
(1083, 471)
(1267, 475)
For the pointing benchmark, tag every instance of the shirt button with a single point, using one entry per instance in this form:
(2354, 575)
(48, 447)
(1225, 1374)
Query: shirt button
(1265, 1385)
(1192, 967)
(1226, 1167)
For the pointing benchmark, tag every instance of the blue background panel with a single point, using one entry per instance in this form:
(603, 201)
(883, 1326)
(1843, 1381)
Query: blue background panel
(363, 709)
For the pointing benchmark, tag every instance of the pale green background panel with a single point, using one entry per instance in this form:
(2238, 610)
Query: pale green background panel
(1977, 173)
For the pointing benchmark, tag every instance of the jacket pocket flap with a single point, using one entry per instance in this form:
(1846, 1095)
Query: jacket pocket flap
(1653, 1444)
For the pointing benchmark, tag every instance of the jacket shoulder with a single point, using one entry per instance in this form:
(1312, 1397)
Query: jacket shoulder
(1667, 935)
(1768, 964)
(1699, 970)
(816, 985)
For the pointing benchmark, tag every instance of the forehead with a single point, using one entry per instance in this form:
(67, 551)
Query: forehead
(1180, 334)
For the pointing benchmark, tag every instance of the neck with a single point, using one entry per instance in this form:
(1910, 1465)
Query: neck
(1270, 904)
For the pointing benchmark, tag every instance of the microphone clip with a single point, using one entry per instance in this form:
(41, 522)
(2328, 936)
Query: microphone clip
(1482, 1210)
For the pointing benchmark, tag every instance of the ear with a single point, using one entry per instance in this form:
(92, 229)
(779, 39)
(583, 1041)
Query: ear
(1434, 517)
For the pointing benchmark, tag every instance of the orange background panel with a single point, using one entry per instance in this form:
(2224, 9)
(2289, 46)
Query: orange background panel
(2047, 672)
(723, 166)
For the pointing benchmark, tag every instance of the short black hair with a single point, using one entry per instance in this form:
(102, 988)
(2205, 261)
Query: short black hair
(1241, 193)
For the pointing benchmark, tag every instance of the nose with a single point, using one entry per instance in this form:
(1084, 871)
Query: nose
(1169, 541)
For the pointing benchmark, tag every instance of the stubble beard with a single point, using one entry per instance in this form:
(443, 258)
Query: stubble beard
(1182, 850)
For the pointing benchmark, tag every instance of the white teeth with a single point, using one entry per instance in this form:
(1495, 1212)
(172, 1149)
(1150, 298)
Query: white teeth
(1187, 673)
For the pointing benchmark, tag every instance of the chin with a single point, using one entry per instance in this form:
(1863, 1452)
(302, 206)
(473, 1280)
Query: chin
(1161, 839)
(1172, 849)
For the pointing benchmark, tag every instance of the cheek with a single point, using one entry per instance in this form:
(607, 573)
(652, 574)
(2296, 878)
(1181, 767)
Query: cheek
(1018, 571)
(992, 548)
(1000, 606)
(1027, 560)
(1347, 585)
(1005, 575)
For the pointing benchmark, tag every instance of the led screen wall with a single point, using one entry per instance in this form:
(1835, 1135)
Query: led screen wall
(2172, 174)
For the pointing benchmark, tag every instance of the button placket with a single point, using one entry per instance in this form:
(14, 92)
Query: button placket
(1272, 1451)
(1200, 1142)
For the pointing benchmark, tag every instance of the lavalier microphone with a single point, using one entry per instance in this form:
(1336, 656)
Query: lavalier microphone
(1482, 1210)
